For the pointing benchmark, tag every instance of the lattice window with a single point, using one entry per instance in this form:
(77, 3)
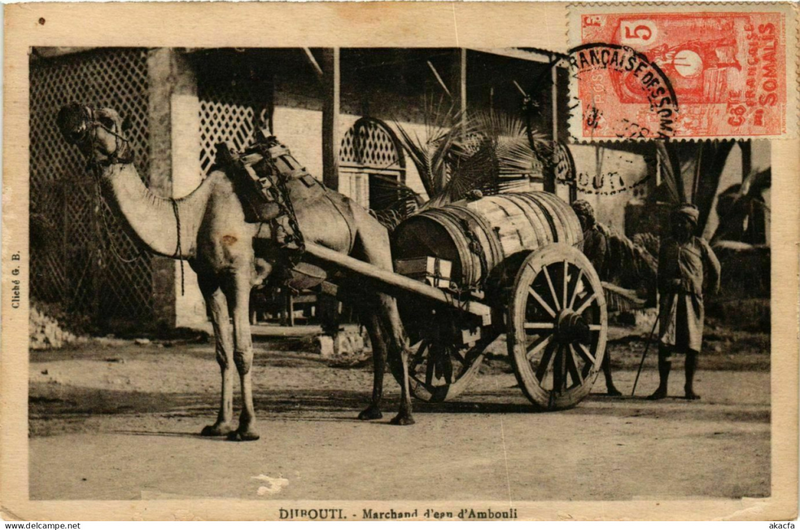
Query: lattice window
(70, 259)
(369, 155)
(369, 144)
(227, 114)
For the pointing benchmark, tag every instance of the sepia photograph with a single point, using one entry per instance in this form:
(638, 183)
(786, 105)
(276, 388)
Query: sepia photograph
(412, 282)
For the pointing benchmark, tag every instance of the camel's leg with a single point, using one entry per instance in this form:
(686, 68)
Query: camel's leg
(223, 335)
(398, 348)
(238, 294)
(378, 340)
(372, 245)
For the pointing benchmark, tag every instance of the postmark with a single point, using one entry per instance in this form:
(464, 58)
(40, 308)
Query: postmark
(611, 182)
(728, 70)
(604, 75)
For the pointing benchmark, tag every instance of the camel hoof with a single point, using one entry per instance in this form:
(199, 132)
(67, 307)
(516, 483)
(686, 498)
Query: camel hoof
(402, 420)
(218, 429)
(370, 413)
(243, 436)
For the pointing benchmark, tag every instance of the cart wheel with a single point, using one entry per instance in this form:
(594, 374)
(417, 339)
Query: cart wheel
(557, 326)
(439, 371)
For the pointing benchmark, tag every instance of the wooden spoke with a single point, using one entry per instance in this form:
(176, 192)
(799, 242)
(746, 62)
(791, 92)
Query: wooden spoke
(584, 352)
(595, 327)
(539, 325)
(429, 369)
(471, 355)
(552, 289)
(446, 365)
(573, 366)
(475, 351)
(458, 356)
(586, 304)
(544, 364)
(566, 284)
(439, 369)
(558, 370)
(420, 355)
(575, 290)
(541, 301)
(537, 346)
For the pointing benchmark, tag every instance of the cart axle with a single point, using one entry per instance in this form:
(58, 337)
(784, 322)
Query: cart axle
(571, 327)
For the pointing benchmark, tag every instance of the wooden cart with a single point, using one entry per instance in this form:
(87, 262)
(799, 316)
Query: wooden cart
(508, 263)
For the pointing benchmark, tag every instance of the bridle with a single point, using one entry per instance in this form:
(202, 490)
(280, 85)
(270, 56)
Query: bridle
(87, 132)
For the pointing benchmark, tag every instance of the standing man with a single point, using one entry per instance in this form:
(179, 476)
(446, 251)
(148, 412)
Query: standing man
(684, 262)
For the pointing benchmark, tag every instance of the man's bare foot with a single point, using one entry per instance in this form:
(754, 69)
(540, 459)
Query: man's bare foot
(690, 395)
(612, 391)
(661, 393)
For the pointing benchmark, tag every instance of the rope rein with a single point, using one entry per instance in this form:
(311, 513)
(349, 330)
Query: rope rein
(95, 166)
(179, 250)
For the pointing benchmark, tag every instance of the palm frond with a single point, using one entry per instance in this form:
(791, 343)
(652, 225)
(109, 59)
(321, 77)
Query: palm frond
(430, 153)
(461, 152)
(471, 172)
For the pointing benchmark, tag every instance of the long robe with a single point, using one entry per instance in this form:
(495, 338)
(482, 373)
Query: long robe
(682, 271)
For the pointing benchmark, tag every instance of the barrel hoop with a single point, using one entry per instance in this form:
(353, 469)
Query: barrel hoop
(473, 243)
(452, 224)
(503, 209)
(475, 246)
(445, 220)
(541, 218)
(555, 206)
(546, 207)
(495, 250)
(566, 216)
(564, 213)
(530, 214)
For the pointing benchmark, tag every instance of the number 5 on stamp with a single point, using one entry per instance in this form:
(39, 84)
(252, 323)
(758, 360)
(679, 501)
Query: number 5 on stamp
(640, 33)
(728, 70)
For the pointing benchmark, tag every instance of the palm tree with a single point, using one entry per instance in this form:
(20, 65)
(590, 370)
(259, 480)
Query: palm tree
(462, 152)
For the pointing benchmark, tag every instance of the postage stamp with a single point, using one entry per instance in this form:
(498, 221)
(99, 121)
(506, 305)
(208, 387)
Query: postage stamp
(399, 261)
(727, 71)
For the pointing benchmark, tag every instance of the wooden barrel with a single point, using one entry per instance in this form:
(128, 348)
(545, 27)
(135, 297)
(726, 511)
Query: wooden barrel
(477, 236)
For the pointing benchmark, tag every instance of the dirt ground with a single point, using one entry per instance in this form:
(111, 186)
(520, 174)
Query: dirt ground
(119, 420)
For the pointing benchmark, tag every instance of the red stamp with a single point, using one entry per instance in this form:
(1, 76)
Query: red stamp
(727, 72)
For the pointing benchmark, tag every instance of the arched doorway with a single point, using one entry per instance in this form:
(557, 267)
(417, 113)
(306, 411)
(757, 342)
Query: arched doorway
(370, 160)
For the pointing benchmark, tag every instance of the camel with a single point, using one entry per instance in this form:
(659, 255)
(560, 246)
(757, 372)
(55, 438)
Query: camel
(207, 228)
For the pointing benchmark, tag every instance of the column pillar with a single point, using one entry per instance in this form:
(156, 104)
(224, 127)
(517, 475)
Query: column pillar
(550, 176)
(331, 86)
(174, 128)
(458, 85)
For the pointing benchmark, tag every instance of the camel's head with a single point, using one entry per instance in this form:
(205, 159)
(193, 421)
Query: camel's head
(100, 134)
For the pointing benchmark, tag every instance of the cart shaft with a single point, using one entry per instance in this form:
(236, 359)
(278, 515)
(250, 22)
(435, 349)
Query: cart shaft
(397, 281)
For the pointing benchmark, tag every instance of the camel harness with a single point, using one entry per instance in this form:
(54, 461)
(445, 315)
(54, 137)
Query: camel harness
(259, 176)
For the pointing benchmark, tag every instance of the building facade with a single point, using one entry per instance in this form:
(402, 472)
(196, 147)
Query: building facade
(338, 110)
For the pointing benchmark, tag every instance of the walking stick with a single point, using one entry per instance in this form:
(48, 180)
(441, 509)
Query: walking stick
(647, 346)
